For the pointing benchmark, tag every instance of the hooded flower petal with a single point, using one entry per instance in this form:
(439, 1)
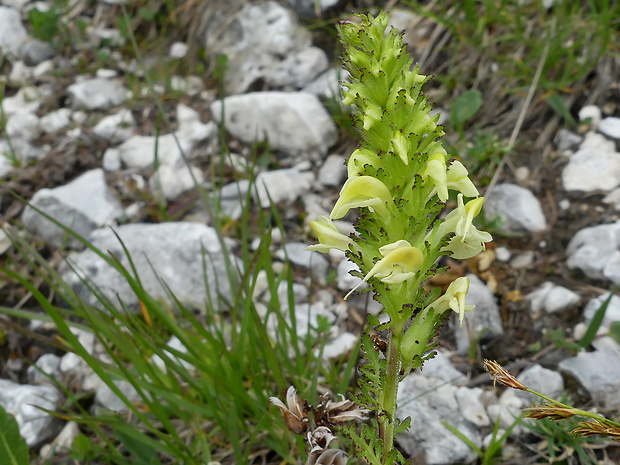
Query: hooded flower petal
(468, 241)
(436, 171)
(329, 236)
(400, 262)
(362, 191)
(401, 144)
(454, 299)
(358, 159)
(459, 181)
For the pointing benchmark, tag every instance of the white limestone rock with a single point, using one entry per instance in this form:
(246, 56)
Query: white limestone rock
(518, 206)
(117, 127)
(285, 185)
(83, 205)
(12, 31)
(292, 122)
(596, 252)
(97, 94)
(21, 400)
(173, 250)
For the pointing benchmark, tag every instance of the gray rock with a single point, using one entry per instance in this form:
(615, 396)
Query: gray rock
(189, 85)
(592, 113)
(596, 141)
(35, 52)
(596, 252)
(483, 322)
(441, 367)
(503, 254)
(292, 122)
(172, 181)
(519, 207)
(285, 185)
(139, 151)
(97, 94)
(26, 100)
(551, 298)
(298, 255)
(23, 126)
(62, 443)
(21, 150)
(299, 69)
(327, 85)
(429, 401)
(176, 345)
(612, 313)
(306, 317)
(610, 127)
(599, 373)
(55, 121)
(12, 31)
(592, 169)
(106, 398)
(231, 198)
(338, 346)
(117, 127)
(567, 140)
(506, 411)
(257, 41)
(178, 50)
(48, 367)
(20, 73)
(300, 294)
(311, 8)
(547, 382)
(111, 160)
(173, 250)
(472, 406)
(20, 400)
(345, 281)
(85, 204)
(333, 171)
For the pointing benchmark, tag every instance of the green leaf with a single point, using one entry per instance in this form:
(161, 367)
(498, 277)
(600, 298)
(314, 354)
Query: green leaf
(560, 108)
(138, 445)
(465, 107)
(558, 339)
(12, 446)
(597, 320)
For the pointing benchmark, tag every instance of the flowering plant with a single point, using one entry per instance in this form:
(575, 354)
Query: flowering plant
(398, 181)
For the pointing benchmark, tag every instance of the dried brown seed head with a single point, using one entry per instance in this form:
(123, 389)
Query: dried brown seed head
(500, 375)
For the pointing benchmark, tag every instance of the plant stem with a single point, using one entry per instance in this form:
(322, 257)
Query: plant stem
(387, 418)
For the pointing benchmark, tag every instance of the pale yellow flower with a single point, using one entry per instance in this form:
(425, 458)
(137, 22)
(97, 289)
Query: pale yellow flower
(329, 236)
(436, 171)
(362, 191)
(468, 241)
(454, 299)
(400, 262)
(458, 180)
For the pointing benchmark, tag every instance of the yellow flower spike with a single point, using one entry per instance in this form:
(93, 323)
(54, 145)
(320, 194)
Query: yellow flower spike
(362, 191)
(436, 171)
(400, 262)
(468, 241)
(454, 299)
(329, 236)
(400, 142)
(459, 181)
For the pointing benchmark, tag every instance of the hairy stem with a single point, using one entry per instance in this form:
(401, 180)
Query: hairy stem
(387, 418)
